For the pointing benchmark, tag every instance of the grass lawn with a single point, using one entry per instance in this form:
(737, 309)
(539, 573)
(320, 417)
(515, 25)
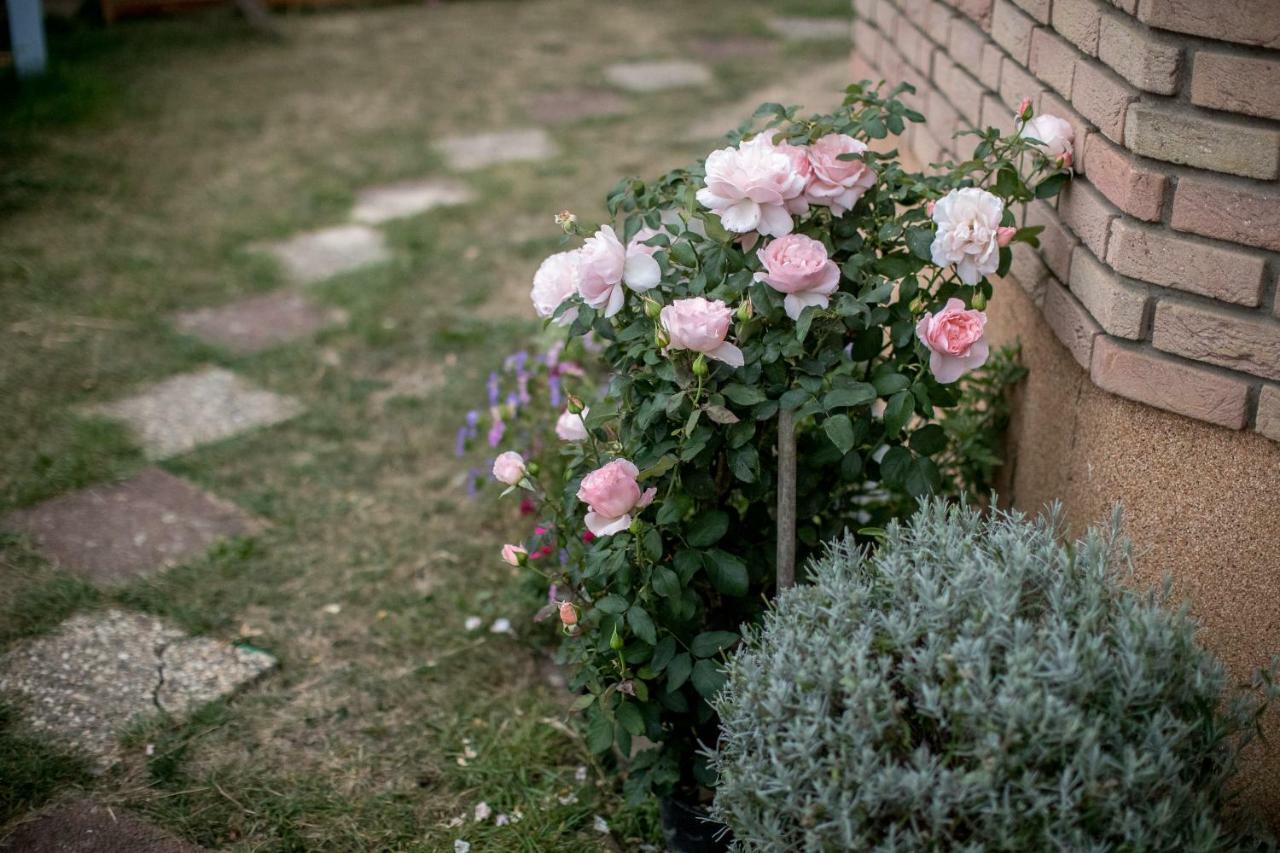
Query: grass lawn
(132, 180)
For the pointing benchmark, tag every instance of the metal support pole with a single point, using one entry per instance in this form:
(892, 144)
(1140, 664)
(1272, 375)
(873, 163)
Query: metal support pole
(786, 499)
(26, 30)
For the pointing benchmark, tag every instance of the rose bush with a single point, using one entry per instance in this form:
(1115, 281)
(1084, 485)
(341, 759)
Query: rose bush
(796, 271)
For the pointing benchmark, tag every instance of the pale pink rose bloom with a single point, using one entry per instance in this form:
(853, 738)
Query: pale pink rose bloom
(837, 183)
(511, 554)
(509, 468)
(636, 243)
(799, 267)
(700, 325)
(611, 494)
(754, 187)
(605, 265)
(554, 282)
(955, 340)
(571, 427)
(968, 225)
(1055, 135)
(1004, 234)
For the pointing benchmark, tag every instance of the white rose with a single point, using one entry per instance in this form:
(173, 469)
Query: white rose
(1055, 135)
(571, 427)
(554, 282)
(968, 233)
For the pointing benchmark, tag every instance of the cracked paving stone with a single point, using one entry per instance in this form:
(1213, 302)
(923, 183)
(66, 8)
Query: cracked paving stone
(657, 76)
(185, 411)
(115, 533)
(376, 205)
(319, 255)
(481, 150)
(98, 672)
(259, 322)
(811, 29)
(82, 826)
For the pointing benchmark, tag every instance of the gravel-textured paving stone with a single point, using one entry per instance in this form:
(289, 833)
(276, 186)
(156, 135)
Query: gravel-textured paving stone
(185, 411)
(811, 29)
(376, 205)
(86, 827)
(317, 255)
(569, 105)
(259, 322)
(114, 533)
(656, 76)
(734, 47)
(481, 150)
(98, 672)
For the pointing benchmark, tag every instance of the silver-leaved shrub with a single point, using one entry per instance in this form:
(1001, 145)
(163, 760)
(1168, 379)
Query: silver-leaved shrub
(977, 684)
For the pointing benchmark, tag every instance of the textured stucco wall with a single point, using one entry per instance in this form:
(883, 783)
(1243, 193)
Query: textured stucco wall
(1202, 502)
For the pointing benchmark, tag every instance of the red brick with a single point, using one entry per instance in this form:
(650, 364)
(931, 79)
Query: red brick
(989, 70)
(1132, 187)
(965, 43)
(894, 68)
(1240, 84)
(1130, 6)
(915, 47)
(1268, 421)
(1180, 134)
(938, 23)
(1038, 9)
(1056, 242)
(1226, 338)
(1139, 55)
(1087, 213)
(1051, 104)
(944, 121)
(1071, 322)
(865, 9)
(1227, 210)
(1103, 98)
(887, 19)
(1030, 272)
(1016, 84)
(1053, 60)
(1117, 305)
(996, 114)
(1011, 29)
(1077, 21)
(976, 10)
(866, 42)
(916, 11)
(1166, 383)
(964, 91)
(924, 146)
(1185, 263)
(1243, 21)
(860, 69)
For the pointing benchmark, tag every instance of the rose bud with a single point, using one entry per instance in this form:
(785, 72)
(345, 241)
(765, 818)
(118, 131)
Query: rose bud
(1004, 235)
(568, 614)
(513, 555)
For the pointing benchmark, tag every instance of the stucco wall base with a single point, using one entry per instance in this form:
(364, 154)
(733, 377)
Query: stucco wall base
(1202, 503)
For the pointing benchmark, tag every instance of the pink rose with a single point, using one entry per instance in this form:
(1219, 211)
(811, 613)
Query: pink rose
(511, 554)
(509, 468)
(636, 243)
(837, 183)
(955, 340)
(554, 282)
(700, 325)
(611, 494)
(755, 187)
(1051, 134)
(605, 265)
(799, 267)
(572, 427)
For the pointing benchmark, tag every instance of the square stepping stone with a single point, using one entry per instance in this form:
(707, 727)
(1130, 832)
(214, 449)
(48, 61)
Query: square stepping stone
(318, 255)
(113, 534)
(183, 412)
(99, 672)
(811, 29)
(376, 205)
(657, 76)
(569, 105)
(734, 47)
(82, 826)
(259, 322)
(481, 150)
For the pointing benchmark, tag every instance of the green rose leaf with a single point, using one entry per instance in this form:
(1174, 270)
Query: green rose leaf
(642, 624)
(708, 528)
(743, 395)
(678, 671)
(840, 430)
(897, 412)
(858, 394)
(710, 643)
(612, 604)
(629, 718)
(728, 574)
(599, 734)
(707, 678)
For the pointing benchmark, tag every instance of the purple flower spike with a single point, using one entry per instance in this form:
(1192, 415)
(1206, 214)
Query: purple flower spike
(460, 445)
(553, 594)
(473, 418)
(496, 432)
(553, 387)
(525, 399)
(493, 389)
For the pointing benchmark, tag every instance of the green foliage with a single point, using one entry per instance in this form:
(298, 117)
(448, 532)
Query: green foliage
(971, 435)
(978, 685)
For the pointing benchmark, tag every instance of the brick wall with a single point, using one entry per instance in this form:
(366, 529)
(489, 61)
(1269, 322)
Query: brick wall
(1159, 264)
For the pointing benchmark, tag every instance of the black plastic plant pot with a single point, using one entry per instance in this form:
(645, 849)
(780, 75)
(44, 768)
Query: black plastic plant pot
(685, 828)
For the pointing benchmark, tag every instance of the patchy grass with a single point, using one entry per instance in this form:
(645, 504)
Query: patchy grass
(132, 181)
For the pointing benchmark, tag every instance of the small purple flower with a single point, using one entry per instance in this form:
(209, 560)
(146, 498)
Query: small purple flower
(523, 380)
(473, 418)
(513, 401)
(493, 389)
(460, 445)
(553, 594)
(564, 556)
(472, 477)
(553, 388)
(496, 432)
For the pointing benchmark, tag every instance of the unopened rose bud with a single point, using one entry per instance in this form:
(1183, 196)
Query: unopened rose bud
(575, 405)
(1024, 109)
(979, 301)
(700, 365)
(1004, 234)
(514, 555)
(745, 311)
(917, 305)
(568, 614)
(533, 468)
(929, 208)
(1065, 160)
(660, 338)
(615, 642)
(652, 309)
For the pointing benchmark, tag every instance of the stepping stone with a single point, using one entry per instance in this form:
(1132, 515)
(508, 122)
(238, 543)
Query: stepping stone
(811, 29)
(570, 105)
(100, 672)
(734, 47)
(656, 76)
(113, 534)
(376, 205)
(259, 322)
(181, 413)
(86, 827)
(481, 150)
(318, 255)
